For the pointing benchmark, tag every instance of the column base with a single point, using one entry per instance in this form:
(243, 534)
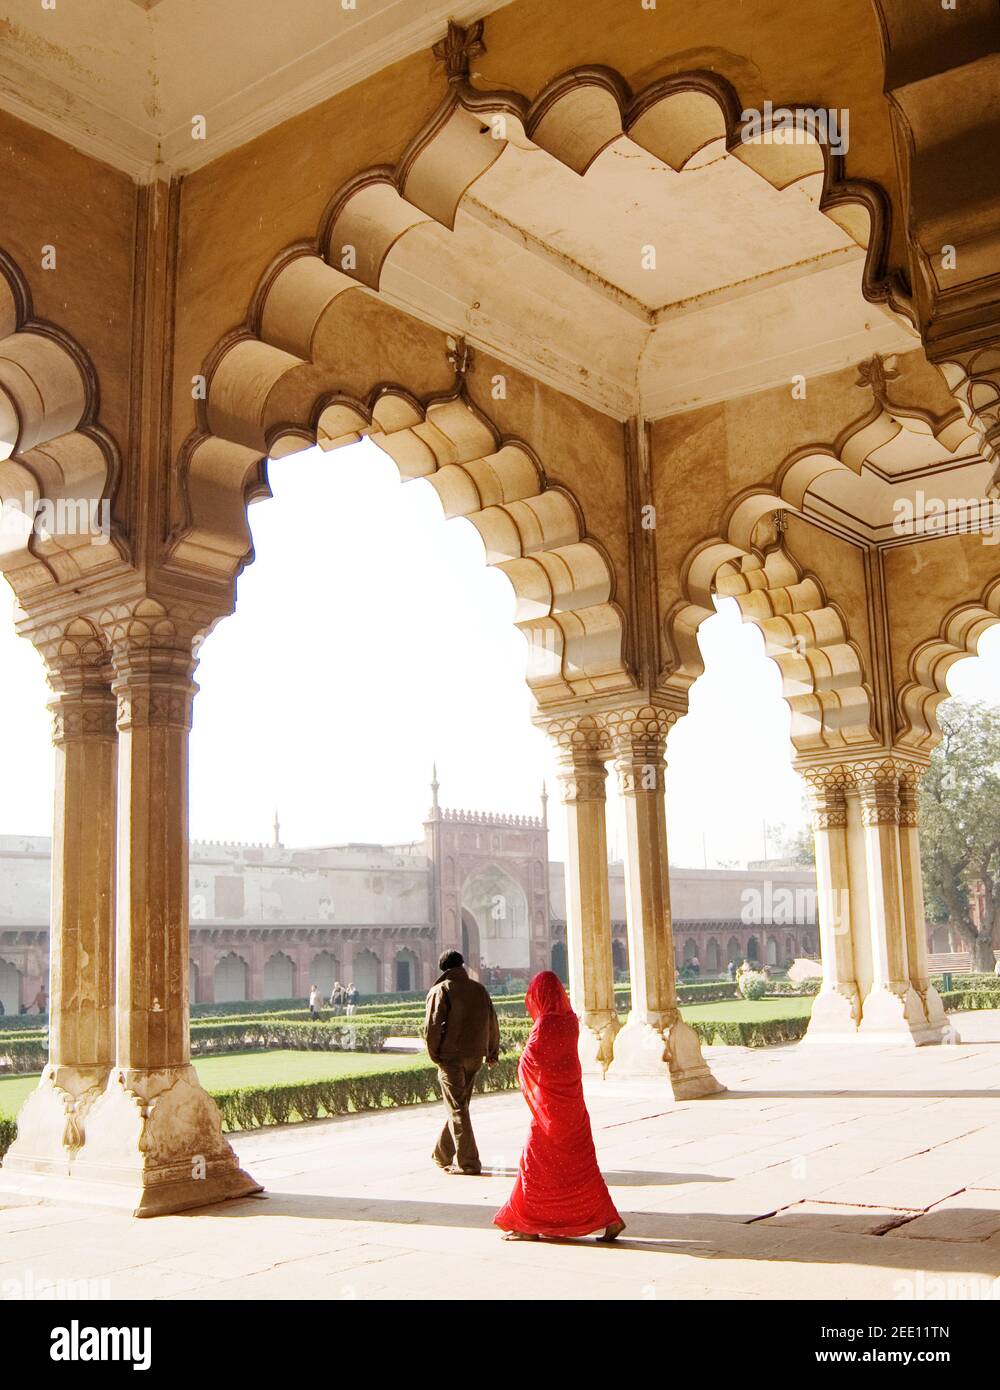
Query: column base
(933, 1007)
(152, 1144)
(894, 1013)
(598, 1031)
(664, 1045)
(51, 1122)
(836, 1013)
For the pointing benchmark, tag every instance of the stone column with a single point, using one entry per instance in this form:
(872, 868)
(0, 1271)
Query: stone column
(837, 1008)
(302, 977)
(154, 1138)
(655, 1040)
(52, 1121)
(914, 913)
(346, 957)
(892, 1006)
(255, 982)
(583, 749)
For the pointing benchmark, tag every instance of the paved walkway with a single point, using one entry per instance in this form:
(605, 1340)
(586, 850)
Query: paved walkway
(869, 1173)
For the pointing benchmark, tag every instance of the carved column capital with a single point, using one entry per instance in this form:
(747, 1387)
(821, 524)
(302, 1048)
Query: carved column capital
(582, 744)
(78, 668)
(639, 729)
(909, 789)
(638, 735)
(877, 785)
(154, 653)
(827, 787)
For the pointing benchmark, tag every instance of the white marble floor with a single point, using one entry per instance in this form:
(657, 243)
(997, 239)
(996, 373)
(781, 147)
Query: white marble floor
(823, 1173)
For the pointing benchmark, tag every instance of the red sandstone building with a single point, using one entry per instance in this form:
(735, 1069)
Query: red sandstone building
(268, 921)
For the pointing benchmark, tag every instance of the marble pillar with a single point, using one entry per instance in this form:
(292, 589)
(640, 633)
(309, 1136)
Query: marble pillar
(655, 1040)
(582, 776)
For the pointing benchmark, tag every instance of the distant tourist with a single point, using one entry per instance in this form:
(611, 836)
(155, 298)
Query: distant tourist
(696, 965)
(315, 1002)
(462, 1030)
(996, 968)
(731, 970)
(337, 997)
(559, 1189)
(351, 997)
(41, 1000)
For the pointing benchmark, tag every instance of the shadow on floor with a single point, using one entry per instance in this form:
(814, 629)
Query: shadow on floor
(831, 1094)
(867, 1242)
(628, 1177)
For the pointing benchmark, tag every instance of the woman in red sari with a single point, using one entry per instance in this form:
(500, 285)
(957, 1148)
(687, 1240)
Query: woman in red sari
(559, 1189)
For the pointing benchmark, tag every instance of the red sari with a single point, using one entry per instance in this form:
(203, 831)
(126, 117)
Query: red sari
(559, 1189)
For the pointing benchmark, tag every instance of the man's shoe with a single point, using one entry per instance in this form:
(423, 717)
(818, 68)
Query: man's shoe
(466, 1172)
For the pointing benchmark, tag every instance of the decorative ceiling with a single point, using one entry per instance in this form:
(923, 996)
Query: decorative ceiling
(122, 79)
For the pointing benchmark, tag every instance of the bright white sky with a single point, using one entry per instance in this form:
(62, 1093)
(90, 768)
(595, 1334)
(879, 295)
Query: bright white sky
(371, 639)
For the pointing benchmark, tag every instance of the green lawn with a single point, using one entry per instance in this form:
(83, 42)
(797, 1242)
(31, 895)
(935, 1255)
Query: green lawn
(253, 1068)
(747, 1010)
(261, 1068)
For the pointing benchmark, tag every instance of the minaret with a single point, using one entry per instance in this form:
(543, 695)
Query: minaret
(433, 829)
(547, 905)
(277, 830)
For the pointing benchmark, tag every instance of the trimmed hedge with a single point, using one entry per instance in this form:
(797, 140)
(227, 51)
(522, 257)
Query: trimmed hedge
(764, 1032)
(336, 1036)
(252, 1006)
(10, 1023)
(780, 989)
(23, 1056)
(250, 1107)
(965, 999)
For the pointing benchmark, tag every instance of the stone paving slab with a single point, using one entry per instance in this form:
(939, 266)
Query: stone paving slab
(822, 1172)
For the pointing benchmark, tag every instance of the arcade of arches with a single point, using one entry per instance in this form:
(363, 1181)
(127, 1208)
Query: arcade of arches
(652, 350)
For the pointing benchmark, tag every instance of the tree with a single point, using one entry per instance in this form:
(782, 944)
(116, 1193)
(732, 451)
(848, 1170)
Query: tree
(960, 824)
(796, 845)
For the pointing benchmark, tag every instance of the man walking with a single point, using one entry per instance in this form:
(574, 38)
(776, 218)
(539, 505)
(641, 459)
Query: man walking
(462, 1030)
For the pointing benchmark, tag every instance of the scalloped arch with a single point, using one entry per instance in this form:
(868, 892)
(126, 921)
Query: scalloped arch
(822, 672)
(574, 119)
(931, 661)
(533, 532)
(51, 448)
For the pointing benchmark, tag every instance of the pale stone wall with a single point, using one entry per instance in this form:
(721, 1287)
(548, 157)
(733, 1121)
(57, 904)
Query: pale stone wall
(723, 895)
(25, 870)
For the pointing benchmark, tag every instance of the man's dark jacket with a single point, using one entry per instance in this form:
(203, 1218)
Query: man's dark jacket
(461, 1021)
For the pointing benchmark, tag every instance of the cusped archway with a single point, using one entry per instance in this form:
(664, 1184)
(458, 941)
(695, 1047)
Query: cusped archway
(279, 977)
(231, 979)
(499, 906)
(58, 466)
(532, 531)
(323, 972)
(323, 334)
